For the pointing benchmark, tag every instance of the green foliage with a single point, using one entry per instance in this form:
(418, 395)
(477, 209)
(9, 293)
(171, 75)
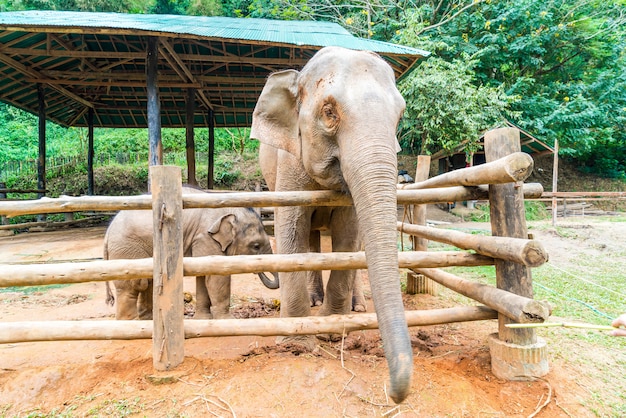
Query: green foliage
(563, 60)
(118, 6)
(556, 69)
(447, 107)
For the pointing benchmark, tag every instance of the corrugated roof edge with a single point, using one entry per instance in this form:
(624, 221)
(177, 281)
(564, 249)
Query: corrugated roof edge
(207, 26)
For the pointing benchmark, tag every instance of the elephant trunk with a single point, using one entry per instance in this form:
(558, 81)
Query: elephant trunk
(371, 177)
(269, 283)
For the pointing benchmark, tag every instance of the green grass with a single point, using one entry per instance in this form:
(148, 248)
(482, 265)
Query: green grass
(535, 211)
(589, 290)
(31, 289)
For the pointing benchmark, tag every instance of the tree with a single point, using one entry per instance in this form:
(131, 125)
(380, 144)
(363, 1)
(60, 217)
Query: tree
(119, 6)
(563, 59)
(445, 108)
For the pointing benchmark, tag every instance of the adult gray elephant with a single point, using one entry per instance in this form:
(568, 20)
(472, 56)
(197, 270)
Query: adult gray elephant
(333, 126)
(228, 231)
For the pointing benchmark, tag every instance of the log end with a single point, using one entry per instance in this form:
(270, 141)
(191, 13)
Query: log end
(519, 166)
(535, 254)
(535, 311)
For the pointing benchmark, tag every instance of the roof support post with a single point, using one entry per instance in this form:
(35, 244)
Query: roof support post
(191, 144)
(90, 115)
(210, 184)
(154, 105)
(41, 160)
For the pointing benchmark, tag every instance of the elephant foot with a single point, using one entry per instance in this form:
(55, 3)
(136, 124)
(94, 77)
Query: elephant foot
(358, 307)
(299, 343)
(202, 315)
(223, 316)
(316, 300)
(329, 338)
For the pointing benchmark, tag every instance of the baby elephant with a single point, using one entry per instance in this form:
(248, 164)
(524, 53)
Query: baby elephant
(229, 231)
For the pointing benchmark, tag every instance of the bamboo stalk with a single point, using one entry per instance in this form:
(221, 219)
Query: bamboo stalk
(30, 331)
(563, 324)
(106, 270)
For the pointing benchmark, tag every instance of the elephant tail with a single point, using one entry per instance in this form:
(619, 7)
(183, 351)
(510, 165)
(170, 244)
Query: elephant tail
(110, 300)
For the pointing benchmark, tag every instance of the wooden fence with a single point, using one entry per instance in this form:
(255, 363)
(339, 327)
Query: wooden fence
(509, 250)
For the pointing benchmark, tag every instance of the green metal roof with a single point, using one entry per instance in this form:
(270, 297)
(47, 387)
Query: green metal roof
(97, 60)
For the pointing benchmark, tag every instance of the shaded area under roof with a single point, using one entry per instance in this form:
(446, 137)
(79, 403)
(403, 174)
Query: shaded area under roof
(98, 60)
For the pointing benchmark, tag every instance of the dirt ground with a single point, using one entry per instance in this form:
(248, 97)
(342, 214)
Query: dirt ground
(251, 376)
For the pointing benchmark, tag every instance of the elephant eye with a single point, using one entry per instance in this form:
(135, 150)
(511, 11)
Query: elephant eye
(256, 246)
(330, 113)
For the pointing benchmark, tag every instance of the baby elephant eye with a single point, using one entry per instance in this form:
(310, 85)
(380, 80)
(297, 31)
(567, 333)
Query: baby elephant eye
(256, 246)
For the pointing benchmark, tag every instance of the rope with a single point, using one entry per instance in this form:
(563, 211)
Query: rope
(587, 281)
(594, 309)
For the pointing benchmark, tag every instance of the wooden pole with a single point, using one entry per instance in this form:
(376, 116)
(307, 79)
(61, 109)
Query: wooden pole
(510, 168)
(416, 283)
(508, 219)
(555, 180)
(90, 152)
(190, 141)
(99, 271)
(31, 331)
(168, 309)
(3, 219)
(41, 158)
(243, 199)
(211, 168)
(154, 104)
(519, 250)
(508, 304)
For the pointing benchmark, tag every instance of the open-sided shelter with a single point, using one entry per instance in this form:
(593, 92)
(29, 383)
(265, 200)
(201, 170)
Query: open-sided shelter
(153, 71)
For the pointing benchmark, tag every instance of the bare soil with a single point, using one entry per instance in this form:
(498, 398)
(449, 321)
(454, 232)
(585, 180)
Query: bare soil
(252, 376)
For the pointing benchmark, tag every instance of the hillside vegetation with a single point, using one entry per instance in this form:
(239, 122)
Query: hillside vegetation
(557, 69)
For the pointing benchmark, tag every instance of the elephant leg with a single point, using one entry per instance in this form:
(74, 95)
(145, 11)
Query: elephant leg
(126, 300)
(219, 296)
(144, 301)
(358, 294)
(338, 298)
(314, 278)
(203, 303)
(292, 231)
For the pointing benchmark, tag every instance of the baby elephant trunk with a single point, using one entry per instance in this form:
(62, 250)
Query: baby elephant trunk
(269, 283)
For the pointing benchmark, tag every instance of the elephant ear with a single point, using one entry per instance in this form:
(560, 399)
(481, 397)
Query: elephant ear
(223, 231)
(275, 117)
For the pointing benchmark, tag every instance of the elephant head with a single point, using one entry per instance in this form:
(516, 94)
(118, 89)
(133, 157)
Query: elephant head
(240, 231)
(338, 117)
(244, 236)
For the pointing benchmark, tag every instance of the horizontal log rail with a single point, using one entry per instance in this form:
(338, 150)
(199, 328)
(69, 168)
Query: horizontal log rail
(620, 195)
(518, 308)
(32, 331)
(70, 273)
(245, 199)
(513, 168)
(524, 251)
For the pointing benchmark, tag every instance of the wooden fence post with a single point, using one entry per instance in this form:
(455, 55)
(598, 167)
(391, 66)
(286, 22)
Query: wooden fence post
(515, 353)
(415, 282)
(168, 310)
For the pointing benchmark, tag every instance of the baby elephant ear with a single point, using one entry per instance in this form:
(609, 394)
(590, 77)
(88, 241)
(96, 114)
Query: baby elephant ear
(223, 231)
(275, 117)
